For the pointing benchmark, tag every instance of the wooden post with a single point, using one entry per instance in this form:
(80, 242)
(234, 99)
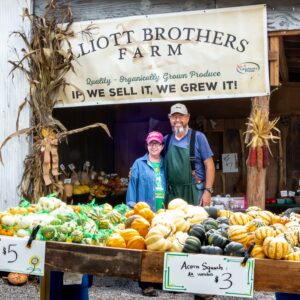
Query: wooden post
(256, 179)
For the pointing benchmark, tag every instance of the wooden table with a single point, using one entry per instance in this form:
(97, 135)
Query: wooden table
(270, 275)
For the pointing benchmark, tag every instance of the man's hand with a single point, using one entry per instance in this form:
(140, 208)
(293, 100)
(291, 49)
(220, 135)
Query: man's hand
(206, 198)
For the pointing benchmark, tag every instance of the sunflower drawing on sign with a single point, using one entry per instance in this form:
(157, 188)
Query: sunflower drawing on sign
(34, 262)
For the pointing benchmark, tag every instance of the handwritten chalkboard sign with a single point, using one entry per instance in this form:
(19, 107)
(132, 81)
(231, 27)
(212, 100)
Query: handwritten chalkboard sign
(208, 274)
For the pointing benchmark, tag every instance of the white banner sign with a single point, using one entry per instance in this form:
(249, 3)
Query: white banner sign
(16, 257)
(208, 274)
(218, 53)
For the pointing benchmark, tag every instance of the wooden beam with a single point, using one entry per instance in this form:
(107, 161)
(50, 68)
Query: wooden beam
(284, 33)
(274, 65)
(273, 55)
(103, 261)
(283, 68)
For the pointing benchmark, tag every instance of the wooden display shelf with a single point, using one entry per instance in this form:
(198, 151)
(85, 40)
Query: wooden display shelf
(270, 275)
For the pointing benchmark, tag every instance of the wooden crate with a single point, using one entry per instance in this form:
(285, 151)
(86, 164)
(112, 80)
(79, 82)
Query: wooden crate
(270, 275)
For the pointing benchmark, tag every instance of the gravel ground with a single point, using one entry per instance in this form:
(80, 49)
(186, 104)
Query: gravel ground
(106, 289)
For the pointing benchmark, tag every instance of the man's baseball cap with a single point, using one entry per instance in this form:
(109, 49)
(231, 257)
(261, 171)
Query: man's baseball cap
(154, 136)
(179, 108)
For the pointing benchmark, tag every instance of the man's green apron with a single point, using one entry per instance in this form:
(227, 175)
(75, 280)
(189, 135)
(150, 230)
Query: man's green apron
(181, 183)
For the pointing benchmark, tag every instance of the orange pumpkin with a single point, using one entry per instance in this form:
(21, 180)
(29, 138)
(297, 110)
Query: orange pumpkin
(129, 213)
(139, 223)
(7, 231)
(147, 213)
(136, 242)
(116, 240)
(139, 206)
(17, 278)
(17, 210)
(128, 234)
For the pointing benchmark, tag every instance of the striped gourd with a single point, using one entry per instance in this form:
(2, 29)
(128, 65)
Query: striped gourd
(262, 232)
(238, 233)
(276, 247)
(238, 218)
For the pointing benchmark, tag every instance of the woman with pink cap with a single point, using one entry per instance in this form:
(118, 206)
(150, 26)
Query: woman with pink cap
(148, 183)
(147, 180)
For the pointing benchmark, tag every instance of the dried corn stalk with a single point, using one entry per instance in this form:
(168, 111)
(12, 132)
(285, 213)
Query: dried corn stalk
(45, 60)
(261, 131)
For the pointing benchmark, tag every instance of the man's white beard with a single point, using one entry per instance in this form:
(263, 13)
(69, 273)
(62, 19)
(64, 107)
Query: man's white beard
(180, 130)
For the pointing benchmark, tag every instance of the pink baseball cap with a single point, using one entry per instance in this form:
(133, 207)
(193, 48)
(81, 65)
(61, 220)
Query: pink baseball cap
(154, 136)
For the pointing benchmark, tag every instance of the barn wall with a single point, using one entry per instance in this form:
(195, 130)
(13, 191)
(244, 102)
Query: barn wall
(11, 96)
(282, 15)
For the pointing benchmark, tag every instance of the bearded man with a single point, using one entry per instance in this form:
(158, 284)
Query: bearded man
(189, 165)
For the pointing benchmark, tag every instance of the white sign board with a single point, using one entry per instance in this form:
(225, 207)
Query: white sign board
(230, 162)
(16, 257)
(167, 57)
(208, 274)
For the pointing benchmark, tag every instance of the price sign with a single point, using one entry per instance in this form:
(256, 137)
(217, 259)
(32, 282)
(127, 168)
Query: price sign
(16, 257)
(230, 163)
(208, 274)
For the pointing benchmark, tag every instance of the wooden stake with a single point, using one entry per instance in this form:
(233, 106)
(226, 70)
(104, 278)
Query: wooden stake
(256, 179)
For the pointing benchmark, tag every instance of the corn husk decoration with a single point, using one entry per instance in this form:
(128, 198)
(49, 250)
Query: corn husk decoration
(46, 57)
(262, 131)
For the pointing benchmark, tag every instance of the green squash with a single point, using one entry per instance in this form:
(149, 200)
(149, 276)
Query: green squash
(210, 223)
(223, 220)
(212, 250)
(235, 249)
(198, 231)
(212, 211)
(223, 230)
(77, 236)
(215, 239)
(48, 232)
(191, 245)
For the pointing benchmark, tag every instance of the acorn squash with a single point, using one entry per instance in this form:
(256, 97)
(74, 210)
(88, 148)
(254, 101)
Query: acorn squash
(192, 245)
(212, 250)
(235, 249)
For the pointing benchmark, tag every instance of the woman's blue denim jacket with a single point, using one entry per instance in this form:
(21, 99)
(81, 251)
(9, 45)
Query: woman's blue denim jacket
(141, 186)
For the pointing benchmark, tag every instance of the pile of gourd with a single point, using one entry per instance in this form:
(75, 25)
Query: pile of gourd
(274, 236)
(87, 224)
(179, 228)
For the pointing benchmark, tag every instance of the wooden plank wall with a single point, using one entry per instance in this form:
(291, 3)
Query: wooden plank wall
(11, 96)
(282, 15)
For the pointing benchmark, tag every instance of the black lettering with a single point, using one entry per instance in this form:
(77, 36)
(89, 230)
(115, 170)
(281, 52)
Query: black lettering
(174, 29)
(154, 50)
(188, 29)
(137, 52)
(106, 42)
(122, 52)
(114, 35)
(148, 33)
(82, 50)
(173, 51)
(243, 44)
(218, 36)
(211, 85)
(159, 33)
(206, 36)
(230, 40)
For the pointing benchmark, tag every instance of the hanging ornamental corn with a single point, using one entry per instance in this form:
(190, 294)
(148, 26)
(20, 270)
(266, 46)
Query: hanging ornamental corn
(261, 131)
